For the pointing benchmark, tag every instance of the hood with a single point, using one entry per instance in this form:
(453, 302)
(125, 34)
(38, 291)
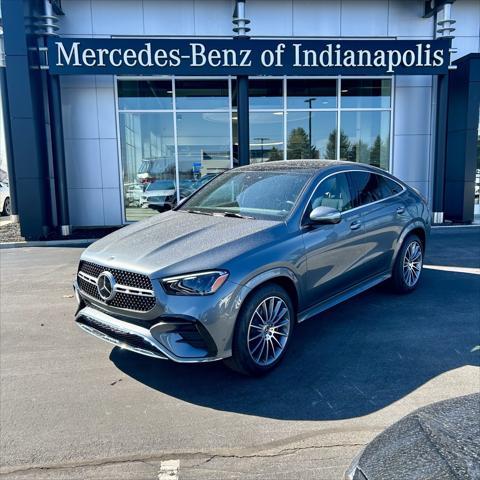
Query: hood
(180, 242)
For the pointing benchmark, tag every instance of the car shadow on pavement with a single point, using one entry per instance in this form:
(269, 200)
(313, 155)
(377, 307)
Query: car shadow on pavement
(350, 361)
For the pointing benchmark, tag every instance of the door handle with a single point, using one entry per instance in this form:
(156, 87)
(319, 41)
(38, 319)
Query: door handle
(355, 225)
(400, 210)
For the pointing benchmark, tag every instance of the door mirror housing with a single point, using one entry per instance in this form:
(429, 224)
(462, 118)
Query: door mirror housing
(325, 215)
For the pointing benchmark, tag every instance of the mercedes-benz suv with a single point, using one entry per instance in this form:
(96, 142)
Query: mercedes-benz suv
(230, 272)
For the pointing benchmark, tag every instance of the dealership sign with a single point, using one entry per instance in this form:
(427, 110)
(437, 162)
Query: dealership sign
(67, 56)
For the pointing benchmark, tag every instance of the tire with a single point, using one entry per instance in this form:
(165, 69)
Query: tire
(408, 265)
(7, 207)
(256, 354)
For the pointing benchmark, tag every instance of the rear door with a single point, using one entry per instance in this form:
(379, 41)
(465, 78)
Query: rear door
(333, 251)
(382, 214)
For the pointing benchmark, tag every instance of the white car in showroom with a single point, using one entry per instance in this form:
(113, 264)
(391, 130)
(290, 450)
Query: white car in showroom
(5, 203)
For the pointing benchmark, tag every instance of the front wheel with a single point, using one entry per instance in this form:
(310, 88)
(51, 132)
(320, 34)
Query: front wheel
(263, 331)
(408, 265)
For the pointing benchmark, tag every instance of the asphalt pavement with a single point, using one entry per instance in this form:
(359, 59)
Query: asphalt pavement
(73, 407)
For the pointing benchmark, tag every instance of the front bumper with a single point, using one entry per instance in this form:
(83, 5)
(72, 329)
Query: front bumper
(182, 329)
(162, 340)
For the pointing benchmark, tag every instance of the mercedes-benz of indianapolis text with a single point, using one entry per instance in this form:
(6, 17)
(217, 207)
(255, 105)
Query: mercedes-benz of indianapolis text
(230, 272)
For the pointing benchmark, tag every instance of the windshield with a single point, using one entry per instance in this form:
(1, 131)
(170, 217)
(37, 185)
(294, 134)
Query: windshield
(265, 195)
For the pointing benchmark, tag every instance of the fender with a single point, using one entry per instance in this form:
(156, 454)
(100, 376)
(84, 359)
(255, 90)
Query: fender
(408, 228)
(263, 277)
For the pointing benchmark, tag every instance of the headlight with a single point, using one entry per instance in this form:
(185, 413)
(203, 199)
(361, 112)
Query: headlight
(203, 283)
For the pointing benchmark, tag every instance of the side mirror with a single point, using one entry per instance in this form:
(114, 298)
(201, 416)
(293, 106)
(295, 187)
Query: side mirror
(323, 215)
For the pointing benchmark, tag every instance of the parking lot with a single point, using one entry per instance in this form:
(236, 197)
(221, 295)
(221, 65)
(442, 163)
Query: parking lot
(73, 407)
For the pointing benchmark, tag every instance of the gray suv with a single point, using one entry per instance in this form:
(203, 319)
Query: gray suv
(230, 272)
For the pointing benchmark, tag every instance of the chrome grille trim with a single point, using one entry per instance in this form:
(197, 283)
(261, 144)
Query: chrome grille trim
(143, 292)
(133, 291)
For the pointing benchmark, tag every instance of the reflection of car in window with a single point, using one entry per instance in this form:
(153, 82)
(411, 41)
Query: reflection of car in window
(159, 195)
(5, 205)
(133, 194)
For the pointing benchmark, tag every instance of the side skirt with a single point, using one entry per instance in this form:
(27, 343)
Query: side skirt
(341, 297)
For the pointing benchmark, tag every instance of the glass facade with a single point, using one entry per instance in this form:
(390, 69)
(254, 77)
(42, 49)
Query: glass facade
(176, 134)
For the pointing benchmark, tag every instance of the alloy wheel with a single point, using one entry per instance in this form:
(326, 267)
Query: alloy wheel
(412, 263)
(268, 331)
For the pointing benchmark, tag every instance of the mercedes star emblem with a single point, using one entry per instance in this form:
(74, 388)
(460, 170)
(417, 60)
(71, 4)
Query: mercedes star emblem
(106, 286)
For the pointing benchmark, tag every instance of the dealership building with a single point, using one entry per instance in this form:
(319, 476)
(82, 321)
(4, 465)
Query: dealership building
(116, 109)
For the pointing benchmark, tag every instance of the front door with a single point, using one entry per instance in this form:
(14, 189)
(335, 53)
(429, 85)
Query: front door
(333, 251)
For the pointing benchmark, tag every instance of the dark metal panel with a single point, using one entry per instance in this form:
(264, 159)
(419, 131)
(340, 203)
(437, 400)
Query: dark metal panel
(462, 133)
(243, 121)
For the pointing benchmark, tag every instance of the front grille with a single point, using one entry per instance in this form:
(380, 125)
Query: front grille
(120, 336)
(127, 301)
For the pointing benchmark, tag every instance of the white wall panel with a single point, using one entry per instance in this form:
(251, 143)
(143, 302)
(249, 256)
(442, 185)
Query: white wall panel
(113, 17)
(465, 45)
(413, 81)
(270, 18)
(411, 157)
(106, 113)
(79, 110)
(77, 18)
(364, 18)
(214, 17)
(109, 163)
(316, 18)
(86, 207)
(82, 158)
(405, 19)
(77, 81)
(412, 110)
(467, 15)
(112, 206)
(169, 18)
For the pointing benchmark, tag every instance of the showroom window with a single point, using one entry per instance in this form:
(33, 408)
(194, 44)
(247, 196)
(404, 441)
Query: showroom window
(177, 133)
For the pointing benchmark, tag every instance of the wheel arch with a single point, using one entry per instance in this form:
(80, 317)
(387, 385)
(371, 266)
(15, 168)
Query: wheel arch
(416, 228)
(281, 276)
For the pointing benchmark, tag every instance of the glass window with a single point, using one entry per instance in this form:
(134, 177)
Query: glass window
(371, 188)
(145, 95)
(203, 148)
(366, 93)
(365, 137)
(268, 195)
(311, 135)
(201, 94)
(311, 93)
(333, 192)
(265, 94)
(266, 136)
(148, 154)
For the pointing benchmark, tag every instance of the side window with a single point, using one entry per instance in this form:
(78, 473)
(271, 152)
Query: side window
(333, 192)
(370, 187)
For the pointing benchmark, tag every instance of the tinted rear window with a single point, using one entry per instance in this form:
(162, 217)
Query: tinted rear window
(370, 187)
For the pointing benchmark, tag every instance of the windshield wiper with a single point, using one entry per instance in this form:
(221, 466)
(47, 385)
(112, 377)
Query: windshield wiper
(198, 212)
(233, 214)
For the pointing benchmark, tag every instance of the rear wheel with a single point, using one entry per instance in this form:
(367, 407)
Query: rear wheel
(408, 265)
(7, 207)
(263, 331)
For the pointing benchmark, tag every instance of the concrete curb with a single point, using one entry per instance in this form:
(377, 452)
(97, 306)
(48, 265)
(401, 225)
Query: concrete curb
(456, 226)
(49, 243)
